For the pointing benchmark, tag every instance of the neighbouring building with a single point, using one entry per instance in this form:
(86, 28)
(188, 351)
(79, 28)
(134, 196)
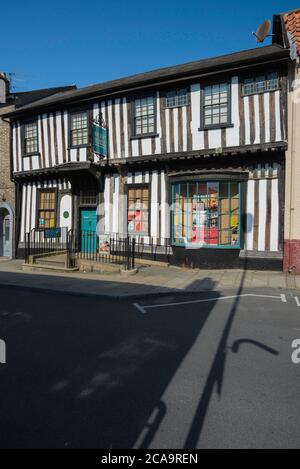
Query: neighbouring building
(9, 101)
(196, 160)
(7, 187)
(289, 24)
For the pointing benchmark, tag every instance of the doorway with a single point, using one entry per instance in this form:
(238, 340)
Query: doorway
(6, 231)
(88, 223)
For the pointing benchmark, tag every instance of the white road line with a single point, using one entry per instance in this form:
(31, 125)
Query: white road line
(143, 308)
(140, 308)
(283, 298)
(297, 301)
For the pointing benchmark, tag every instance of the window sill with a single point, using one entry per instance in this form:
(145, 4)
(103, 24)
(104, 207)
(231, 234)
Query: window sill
(177, 106)
(216, 127)
(74, 147)
(27, 155)
(138, 137)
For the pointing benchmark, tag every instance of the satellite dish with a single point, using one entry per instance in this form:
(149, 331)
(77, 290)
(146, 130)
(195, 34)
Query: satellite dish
(262, 31)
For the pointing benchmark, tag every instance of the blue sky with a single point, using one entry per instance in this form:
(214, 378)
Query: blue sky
(62, 42)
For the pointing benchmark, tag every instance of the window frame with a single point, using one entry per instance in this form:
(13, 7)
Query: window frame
(139, 186)
(267, 79)
(222, 125)
(206, 181)
(23, 126)
(80, 110)
(38, 209)
(176, 91)
(133, 108)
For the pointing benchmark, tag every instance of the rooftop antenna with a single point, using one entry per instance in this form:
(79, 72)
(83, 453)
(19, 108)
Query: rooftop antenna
(263, 31)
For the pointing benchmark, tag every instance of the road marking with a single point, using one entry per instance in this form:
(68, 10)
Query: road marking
(283, 298)
(142, 308)
(297, 301)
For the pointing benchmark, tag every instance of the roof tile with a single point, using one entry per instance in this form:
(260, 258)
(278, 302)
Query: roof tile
(292, 24)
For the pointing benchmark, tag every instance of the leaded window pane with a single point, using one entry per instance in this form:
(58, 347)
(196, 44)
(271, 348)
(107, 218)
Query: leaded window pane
(261, 84)
(176, 98)
(31, 138)
(216, 104)
(144, 115)
(79, 129)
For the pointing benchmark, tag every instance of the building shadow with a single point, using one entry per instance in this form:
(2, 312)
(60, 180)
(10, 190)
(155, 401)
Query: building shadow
(88, 373)
(215, 377)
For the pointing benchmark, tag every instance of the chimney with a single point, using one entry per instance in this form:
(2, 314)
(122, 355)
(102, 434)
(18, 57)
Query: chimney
(4, 87)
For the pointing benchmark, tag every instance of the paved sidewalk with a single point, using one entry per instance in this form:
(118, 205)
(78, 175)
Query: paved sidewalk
(152, 280)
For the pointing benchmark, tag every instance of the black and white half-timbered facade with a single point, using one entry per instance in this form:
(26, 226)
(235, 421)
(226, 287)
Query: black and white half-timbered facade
(195, 159)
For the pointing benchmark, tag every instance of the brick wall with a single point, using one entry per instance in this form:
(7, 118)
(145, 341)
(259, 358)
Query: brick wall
(7, 188)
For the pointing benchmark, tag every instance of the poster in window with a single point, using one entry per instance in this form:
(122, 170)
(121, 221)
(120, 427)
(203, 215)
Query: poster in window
(199, 221)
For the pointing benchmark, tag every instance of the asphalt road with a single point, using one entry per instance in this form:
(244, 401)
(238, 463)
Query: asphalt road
(84, 372)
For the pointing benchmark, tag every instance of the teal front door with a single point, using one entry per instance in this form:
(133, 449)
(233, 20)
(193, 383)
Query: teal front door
(88, 222)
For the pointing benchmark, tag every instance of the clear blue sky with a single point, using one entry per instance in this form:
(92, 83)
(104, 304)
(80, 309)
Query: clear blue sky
(52, 43)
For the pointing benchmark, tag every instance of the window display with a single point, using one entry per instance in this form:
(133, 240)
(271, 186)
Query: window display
(206, 214)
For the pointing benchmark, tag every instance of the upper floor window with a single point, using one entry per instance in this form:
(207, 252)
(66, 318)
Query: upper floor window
(261, 84)
(30, 138)
(79, 131)
(144, 116)
(216, 105)
(177, 98)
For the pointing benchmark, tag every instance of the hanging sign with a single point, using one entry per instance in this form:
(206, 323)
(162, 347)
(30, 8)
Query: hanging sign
(100, 137)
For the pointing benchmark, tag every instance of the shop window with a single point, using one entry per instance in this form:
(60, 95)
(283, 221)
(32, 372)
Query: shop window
(206, 214)
(138, 210)
(46, 209)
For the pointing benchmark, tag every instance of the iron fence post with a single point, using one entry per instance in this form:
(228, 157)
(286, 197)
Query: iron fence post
(133, 253)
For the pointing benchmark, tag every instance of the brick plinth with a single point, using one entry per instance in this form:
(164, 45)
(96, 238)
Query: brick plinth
(291, 256)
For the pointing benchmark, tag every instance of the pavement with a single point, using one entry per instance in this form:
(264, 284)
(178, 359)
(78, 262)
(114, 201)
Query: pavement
(203, 370)
(149, 281)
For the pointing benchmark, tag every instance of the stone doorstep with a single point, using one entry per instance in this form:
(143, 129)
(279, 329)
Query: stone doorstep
(42, 267)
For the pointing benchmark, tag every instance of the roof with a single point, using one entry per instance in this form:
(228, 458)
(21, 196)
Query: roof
(187, 70)
(292, 25)
(23, 98)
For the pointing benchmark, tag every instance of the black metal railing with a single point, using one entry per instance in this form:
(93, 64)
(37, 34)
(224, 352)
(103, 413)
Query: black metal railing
(45, 241)
(106, 249)
(87, 245)
(153, 249)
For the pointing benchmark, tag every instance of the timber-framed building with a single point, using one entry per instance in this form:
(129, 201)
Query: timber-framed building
(196, 159)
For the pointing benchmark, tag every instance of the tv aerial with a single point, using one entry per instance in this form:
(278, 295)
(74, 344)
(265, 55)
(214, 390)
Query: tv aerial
(263, 31)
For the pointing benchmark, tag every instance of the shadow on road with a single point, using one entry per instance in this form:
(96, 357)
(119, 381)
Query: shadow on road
(88, 373)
